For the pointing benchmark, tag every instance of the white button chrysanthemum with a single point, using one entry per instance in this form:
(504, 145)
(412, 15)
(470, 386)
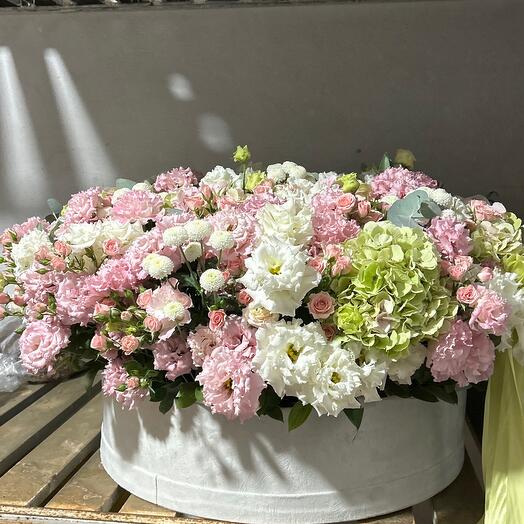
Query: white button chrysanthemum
(198, 230)
(220, 240)
(212, 280)
(174, 311)
(175, 236)
(192, 251)
(158, 266)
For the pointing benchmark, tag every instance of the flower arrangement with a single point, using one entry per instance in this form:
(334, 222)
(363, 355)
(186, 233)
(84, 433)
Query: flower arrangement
(253, 290)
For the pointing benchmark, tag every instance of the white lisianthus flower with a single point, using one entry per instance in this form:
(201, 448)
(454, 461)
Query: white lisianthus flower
(158, 266)
(212, 280)
(278, 276)
(337, 384)
(220, 178)
(276, 173)
(286, 222)
(143, 186)
(258, 316)
(175, 236)
(198, 230)
(402, 366)
(373, 377)
(23, 253)
(125, 232)
(192, 251)
(118, 193)
(81, 236)
(289, 354)
(174, 311)
(506, 285)
(220, 240)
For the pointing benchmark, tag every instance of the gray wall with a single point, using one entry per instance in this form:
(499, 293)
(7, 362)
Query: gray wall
(86, 96)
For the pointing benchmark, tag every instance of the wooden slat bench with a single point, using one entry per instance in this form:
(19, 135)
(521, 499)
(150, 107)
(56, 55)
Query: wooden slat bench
(50, 470)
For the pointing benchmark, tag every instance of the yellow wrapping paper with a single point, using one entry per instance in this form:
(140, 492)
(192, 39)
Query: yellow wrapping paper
(503, 443)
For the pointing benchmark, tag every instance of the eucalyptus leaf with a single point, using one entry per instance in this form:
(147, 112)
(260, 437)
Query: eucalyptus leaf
(124, 183)
(55, 206)
(406, 211)
(385, 163)
(174, 211)
(298, 415)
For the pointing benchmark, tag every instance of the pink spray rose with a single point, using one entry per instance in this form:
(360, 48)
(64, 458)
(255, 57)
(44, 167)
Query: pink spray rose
(468, 295)
(111, 247)
(99, 342)
(129, 344)
(217, 318)
(321, 305)
(152, 324)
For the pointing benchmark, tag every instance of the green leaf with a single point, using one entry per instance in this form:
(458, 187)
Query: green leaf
(423, 393)
(298, 415)
(276, 413)
(122, 183)
(134, 368)
(55, 206)
(166, 404)
(385, 163)
(355, 415)
(268, 400)
(406, 211)
(442, 394)
(199, 395)
(186, 395)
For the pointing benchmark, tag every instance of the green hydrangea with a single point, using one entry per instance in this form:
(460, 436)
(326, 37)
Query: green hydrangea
(495, 240)
(514, 263)
(394, 295)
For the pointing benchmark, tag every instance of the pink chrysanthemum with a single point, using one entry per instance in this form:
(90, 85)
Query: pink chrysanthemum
(462, 355)
(450, 236)
(172, 355)
(40, 344)
(398, 181)
(115, 378)
(137, 206)
(174, 179)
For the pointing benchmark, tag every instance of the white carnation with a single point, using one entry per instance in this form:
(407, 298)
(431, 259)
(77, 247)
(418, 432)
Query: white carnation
(278, 276)
(220, 178)
(158, 266)
(23, 253)
(276, 173)
(294, 170)
(125, 232)
(143, 186)
(286, 222)
(82, 236)
(220, 240)
(192, 251)
(279, 172)
(175, 236)
(198, 229)
(212, 280)
(118, 193)
(289, 354)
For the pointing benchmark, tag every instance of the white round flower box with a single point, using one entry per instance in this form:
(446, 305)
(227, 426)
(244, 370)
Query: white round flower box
(190, 461)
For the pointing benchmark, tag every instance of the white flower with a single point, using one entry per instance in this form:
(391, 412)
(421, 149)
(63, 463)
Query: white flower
(175, 236)
(23, 253)
(220, 178)
(373, 375)
(278, 276)
(289, 354)
(143, 186)
(506, 285)
(118, 193)
(212, 280)
(158, 266)
(125, 232)
(279, 172)
(276, 173)
(257, 315)
(286, 222)
(81, 236)
(174, 311)
(401, 367)
(198, 229)
(220, 240)
(192, 251)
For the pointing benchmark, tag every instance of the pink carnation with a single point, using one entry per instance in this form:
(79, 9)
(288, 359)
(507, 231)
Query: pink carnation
(484, 211)
(114, 377)
(490, 314)
(398, 181)
(138, 206)
(37, 288)
(450, 236)
(230, 385)
(21, 230)
(83, 206)
(174, 179)
(40, 344)
(172, 355)
(462, 355)
(202, 342)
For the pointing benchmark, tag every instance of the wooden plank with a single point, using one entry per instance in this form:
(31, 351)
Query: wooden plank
(138, 506)
(90, 489)
(401, 517)
(37, 475)
(23, 432)
(12, 403)
(462, 502)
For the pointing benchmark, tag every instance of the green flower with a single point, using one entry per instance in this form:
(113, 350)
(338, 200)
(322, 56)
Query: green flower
(253, 179)
(514, 263)
(495, 240)
(394, 295)
(349, 183)
(405, 157)
(241, 155)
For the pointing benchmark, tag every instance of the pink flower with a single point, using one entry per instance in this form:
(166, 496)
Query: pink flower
(458, 268)
(346, 202)
(230, 385)
(242, 226)
(62, 248)
(363, 208)
(152, 324)
(99, 342)
(461, 355)
(317, 263)
(490, 314)
(101, 309)
(137, 206)
(468, 295)
(114, 377)
(82, 207)
(172, 355)
(126, 316)
(129, 344)
(194, 202)
(451, 237)
(398, 181)
(19, 300)
(133, 382)
(40, 344)
(111, 247)
(330, 330)
(174, 179)
(216, 319)
(244, 297)
(21, 230)
(144, 299)
(321, 305)
(202, 341)
(484, 211)
(342, 265)
(58, 264)
(43, 253)
(4, 298)
(485, 274)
